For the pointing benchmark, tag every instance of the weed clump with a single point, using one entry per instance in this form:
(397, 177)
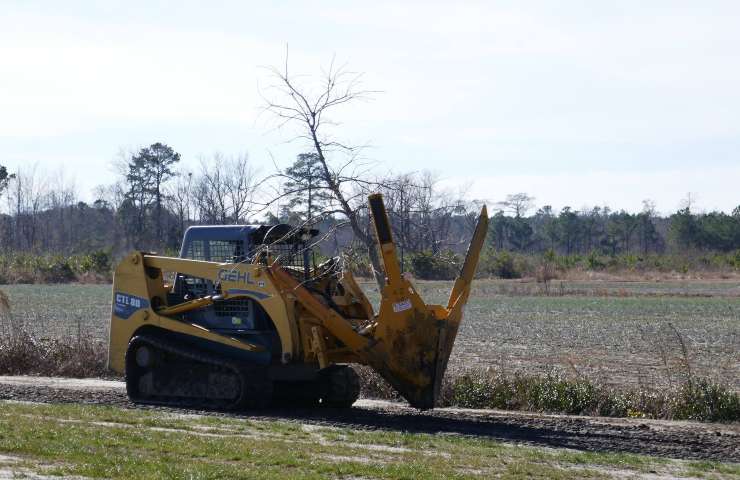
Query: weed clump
(552, 392)
(704, 400)
(25, 354)
(697, 399)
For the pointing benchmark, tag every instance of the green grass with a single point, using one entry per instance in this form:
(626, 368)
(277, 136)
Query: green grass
(108, 442)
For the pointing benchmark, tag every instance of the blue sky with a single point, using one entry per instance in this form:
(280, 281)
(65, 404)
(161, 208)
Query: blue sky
(577, 103)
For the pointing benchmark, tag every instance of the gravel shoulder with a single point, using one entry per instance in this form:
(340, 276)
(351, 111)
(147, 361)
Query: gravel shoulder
(679, 440)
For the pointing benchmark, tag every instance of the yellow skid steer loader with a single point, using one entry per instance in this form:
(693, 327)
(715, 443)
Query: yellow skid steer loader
(243, 319)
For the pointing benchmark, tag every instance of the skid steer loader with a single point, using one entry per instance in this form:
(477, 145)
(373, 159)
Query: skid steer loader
(243, 319)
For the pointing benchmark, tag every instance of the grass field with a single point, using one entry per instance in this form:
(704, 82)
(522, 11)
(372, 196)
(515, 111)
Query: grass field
(624, 333)
(110, 442)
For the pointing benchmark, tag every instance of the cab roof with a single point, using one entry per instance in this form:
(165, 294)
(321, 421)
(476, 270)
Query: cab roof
(253, 234)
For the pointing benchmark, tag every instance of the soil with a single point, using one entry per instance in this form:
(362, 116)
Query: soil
(680, 440)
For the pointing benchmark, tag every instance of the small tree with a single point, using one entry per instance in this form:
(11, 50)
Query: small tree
(568, 221)
(623, 225)
(520, 233)
(423, 217)
(240, 187)
(340, 166)
(5, 178)
(648, 233)
(518, 204)
(498, 228)
(159, 159)
(148, 171)
(181, 200)
(548, 226)
(224, 189)
(303, 186)
(684, 229)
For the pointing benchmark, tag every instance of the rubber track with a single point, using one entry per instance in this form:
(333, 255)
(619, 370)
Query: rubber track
(248, 377)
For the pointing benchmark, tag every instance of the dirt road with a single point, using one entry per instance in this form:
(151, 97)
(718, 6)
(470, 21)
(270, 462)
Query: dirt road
(682, 440)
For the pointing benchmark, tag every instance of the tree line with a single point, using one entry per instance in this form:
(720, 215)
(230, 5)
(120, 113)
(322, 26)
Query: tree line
(155, 201)
(155, 198)
(610, 231)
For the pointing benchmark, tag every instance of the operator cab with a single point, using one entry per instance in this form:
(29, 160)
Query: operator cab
(240, 243)
(288, 245)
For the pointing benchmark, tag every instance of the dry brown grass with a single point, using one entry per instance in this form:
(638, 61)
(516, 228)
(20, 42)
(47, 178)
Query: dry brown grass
(585, 275)
(24, 354)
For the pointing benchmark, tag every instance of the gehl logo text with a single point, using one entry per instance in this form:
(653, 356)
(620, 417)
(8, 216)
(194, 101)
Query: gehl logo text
(229, 275)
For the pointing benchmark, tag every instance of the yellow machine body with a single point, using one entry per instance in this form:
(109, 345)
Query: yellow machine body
(407, 341)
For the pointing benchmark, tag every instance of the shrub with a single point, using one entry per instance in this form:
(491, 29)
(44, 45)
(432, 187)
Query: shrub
(631, 261)
(430, 266)
(594, 261)
(504, 264)
(566, 262)
(31, 268)
(702, 399)
(56, 270)
(697, 399)
(547, 270)
(551, 393)
(96, 262)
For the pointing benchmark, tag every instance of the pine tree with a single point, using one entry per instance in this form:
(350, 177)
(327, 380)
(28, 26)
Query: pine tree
(4, 178)
(307, 193)
(148, 171)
